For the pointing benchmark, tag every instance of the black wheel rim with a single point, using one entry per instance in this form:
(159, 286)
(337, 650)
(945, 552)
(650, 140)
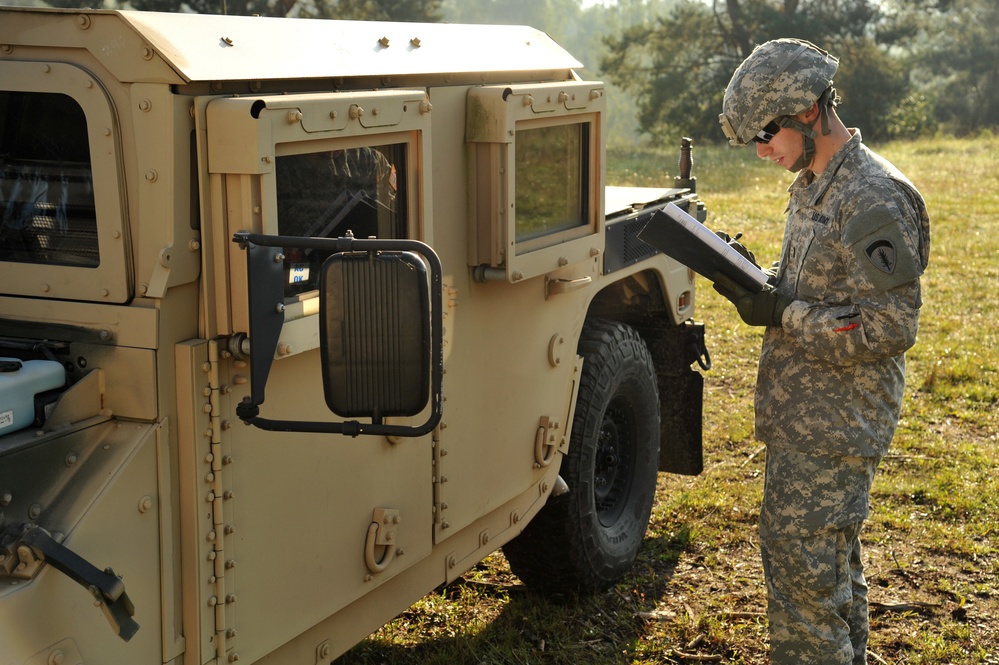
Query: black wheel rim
(613, 467)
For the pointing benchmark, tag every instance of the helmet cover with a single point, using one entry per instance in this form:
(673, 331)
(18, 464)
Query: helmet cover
(782, 77)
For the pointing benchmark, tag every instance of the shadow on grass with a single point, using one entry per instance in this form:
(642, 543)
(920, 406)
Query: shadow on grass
(528, 626)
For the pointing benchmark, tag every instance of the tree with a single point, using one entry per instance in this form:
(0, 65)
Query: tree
(872, 85)
(678, 67)
(665, 65)
(956, 59)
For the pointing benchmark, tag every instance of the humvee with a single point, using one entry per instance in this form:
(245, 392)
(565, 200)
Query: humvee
(301, 319)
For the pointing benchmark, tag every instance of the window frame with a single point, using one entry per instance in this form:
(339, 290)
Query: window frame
(494, 117)
(111, 280)
(245, 135)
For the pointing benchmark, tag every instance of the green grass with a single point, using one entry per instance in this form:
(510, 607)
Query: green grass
(932, 542)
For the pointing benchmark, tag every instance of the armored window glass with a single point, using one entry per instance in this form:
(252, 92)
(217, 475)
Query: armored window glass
(552, 170)
(330, 194)
(47, 211)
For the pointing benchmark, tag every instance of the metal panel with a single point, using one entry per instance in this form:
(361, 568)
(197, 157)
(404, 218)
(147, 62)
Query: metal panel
(216, 47)
(623, 247)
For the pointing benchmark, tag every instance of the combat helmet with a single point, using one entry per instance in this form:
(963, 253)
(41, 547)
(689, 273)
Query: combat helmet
(779, 79)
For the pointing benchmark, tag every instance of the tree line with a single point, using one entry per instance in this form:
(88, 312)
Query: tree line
(908, 68)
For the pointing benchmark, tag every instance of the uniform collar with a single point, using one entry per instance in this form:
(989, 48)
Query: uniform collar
(810, 187)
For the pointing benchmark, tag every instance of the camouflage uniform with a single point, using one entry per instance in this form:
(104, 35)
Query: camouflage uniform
(855, 243)
(831, 376)
(829, 392)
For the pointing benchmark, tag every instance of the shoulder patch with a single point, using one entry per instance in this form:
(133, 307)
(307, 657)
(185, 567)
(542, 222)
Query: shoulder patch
(882, 254)
(885, 258)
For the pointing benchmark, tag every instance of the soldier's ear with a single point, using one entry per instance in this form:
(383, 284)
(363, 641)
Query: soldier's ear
(810, 115)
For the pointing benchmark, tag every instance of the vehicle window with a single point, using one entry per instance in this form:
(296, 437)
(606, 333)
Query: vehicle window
(329, 194)
(551, 180)
(47, 212)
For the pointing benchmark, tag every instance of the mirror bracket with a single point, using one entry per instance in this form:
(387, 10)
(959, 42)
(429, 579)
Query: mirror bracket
(266, 316)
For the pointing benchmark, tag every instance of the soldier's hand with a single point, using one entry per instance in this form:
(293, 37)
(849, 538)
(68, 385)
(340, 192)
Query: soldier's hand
(733, 242)
(772, 272)
(764, 308)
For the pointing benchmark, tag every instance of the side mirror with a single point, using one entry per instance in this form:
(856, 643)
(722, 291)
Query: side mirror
(380, 326)
(375, 334)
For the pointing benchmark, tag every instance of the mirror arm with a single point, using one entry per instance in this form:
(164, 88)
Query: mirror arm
(264, 264)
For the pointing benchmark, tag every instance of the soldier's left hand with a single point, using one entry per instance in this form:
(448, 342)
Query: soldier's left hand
(765, 308)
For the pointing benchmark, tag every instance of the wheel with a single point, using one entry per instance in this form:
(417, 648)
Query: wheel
(588, 538)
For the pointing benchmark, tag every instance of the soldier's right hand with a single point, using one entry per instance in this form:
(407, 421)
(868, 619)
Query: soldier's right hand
(733, 242)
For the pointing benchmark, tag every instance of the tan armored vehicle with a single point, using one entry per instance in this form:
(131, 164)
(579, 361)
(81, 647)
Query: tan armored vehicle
(301, 319)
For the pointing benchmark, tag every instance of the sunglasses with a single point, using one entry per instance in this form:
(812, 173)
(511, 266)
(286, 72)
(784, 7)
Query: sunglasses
(767, 133)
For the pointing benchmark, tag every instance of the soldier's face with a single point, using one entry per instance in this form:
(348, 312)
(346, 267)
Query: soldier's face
(783, 149)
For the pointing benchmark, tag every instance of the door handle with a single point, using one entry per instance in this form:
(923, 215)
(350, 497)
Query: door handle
(556, 286)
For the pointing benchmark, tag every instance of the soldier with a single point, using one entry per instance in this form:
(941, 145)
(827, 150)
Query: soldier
(840, 311)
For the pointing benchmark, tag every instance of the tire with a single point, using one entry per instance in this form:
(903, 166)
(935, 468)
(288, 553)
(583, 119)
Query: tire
(588, 538)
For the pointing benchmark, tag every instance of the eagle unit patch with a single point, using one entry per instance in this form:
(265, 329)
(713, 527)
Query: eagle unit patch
(882, 254)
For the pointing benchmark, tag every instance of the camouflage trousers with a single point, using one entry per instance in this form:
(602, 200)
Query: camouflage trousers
(813, 509)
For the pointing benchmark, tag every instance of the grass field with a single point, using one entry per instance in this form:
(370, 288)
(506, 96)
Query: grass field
(696, 592)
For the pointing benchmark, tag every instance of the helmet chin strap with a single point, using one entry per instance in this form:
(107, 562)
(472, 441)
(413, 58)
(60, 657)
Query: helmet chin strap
(808, 142)
(828, 99)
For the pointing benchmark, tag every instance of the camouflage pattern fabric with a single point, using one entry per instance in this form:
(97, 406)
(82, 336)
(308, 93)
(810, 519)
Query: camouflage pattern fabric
(810, 521)
(831, 377)
(780, 78)
(829, 393)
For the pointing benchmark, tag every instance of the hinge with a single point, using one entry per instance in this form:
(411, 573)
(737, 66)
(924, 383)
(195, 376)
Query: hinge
(438, 469)
(219, 495)
(440, 478)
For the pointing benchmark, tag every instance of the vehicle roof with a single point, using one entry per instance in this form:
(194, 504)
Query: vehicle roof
(211, 47)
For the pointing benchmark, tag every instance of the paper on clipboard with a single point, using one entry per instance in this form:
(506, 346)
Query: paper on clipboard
(675, 233)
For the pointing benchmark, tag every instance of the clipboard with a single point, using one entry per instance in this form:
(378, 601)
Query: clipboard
(675, 233)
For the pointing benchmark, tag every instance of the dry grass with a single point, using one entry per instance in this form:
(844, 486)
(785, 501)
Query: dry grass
(695, 593)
